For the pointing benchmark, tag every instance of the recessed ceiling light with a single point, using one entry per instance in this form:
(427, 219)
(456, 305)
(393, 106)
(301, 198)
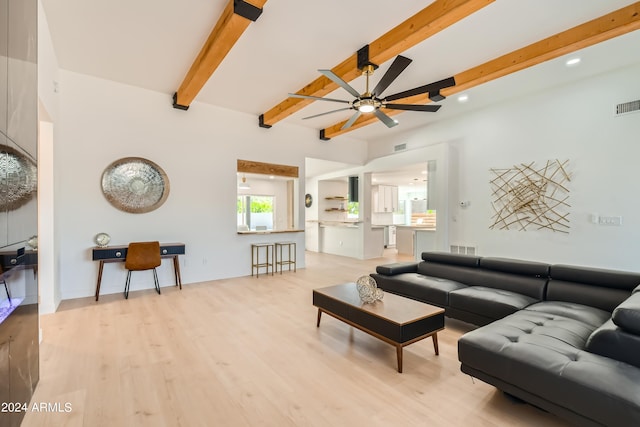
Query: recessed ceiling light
(572, 61)
(463, 98)
(423, 172)
(271, 177)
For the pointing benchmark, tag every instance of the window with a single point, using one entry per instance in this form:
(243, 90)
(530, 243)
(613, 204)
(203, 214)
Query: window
(255, 212)
(353, 210)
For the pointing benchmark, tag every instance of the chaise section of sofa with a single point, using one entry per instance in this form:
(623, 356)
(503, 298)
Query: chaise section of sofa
(542, 359)
(550, 354)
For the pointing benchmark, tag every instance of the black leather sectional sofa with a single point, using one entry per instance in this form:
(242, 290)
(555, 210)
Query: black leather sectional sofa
(563, 338)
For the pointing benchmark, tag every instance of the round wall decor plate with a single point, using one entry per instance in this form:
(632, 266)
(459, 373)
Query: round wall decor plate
(135, 185)
(18, 178)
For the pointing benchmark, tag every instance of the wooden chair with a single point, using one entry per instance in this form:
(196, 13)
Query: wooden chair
(142, 256)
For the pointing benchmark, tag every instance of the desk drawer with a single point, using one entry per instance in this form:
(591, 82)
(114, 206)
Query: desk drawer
(172, 250)
(109, 253)
(120, 252)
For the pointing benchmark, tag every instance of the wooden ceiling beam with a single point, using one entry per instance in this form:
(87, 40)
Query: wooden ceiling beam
(233, 22)
(429, 21)
(606, 27)
(249, 166)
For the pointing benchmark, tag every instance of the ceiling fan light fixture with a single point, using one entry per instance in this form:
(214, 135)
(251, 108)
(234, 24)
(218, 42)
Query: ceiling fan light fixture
(367, 104)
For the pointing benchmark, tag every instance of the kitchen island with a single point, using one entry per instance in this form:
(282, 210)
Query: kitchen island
(349, 238)
(415, 239)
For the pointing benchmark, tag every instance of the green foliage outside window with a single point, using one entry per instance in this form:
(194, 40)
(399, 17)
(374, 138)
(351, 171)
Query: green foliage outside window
(353, 208)
(261, 204)
(258, 204)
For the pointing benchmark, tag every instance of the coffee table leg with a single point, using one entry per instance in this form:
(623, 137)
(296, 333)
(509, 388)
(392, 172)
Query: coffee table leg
(399, 352)
(319, 314)
(434, 337)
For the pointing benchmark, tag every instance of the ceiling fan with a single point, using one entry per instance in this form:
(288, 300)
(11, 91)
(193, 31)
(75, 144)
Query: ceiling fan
(373, 102)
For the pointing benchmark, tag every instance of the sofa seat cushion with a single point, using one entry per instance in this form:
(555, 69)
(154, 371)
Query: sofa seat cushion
(590, 315)
(544, 354)
(432, 290)
(488, 302)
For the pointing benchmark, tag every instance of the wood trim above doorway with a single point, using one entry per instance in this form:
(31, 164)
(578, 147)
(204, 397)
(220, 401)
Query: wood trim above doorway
(248, 166)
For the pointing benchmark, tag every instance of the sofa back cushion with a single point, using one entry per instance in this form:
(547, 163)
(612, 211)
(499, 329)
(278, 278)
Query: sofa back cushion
(516, 266)
(627, 314)
(595, 287)
(452, 259)
(522, 277)
(460, 268)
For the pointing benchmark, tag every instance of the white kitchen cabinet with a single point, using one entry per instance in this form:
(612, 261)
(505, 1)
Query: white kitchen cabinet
(385, 198)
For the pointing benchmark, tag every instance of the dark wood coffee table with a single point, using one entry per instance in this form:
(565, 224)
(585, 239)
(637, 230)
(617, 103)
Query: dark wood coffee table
(396, 320)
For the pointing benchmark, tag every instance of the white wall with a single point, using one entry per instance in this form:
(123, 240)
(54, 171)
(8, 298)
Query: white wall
(573, 122)
(48, 254)
(102, 121)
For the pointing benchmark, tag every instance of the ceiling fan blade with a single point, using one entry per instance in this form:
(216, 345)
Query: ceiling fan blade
(411, 107)
(350, 122)
(431, 87)
(317, 98)
(328, 112)
(385, 119)
(344, 85)
(397, 66)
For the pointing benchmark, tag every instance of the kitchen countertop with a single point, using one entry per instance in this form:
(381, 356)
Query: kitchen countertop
(417, 227)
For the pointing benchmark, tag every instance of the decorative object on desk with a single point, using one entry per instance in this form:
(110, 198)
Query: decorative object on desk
(102, 239)
(308, 200)
(32, 242)
(368, 290)
(135, 185)
(527, 196)
(18, 178)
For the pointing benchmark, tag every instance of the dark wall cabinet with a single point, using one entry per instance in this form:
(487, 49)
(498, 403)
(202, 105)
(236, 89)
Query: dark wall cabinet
(19, 349)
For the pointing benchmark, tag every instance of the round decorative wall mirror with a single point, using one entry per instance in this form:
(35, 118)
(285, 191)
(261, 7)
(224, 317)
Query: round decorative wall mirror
(135, 185)
(18, 178)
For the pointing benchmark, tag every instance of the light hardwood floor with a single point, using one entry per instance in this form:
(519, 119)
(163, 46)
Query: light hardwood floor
(246, 352)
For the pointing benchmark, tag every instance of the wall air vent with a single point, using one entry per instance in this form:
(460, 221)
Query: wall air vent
(627, 108)
(400, 147)
(465, 250)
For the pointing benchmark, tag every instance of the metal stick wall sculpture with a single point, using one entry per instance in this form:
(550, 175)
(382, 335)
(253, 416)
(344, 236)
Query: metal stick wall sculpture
(526, 196)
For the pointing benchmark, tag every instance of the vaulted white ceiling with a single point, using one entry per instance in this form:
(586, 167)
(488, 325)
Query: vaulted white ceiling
(152, 44)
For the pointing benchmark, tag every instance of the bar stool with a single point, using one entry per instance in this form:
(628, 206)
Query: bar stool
(255, 257)
(291, 255)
